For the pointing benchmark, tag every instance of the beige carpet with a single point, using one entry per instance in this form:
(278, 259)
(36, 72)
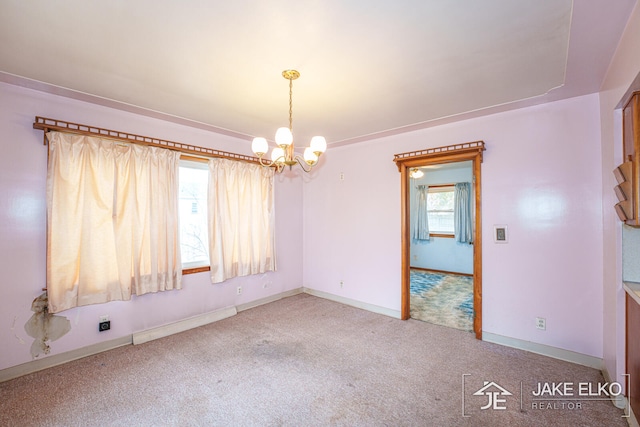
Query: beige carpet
(300, 361)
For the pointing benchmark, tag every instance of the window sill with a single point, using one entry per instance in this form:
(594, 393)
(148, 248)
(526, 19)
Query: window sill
(447, 236)
(195, 270)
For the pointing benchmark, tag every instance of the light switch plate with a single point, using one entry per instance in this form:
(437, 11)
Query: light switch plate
(500, 233)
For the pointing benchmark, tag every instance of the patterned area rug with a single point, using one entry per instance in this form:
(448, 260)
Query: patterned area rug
(443, 299)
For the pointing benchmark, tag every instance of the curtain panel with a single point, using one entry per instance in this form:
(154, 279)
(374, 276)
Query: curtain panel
(421, 224)
(241, 219)
(463, 221)
(112, 221)
(147, 225)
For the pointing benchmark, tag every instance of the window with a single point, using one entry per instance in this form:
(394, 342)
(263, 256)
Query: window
(116, 212)
(440, 209)
(194, 239)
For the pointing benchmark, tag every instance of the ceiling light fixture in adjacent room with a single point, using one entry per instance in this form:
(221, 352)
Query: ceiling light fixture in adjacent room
(416, 173)
(284, 154)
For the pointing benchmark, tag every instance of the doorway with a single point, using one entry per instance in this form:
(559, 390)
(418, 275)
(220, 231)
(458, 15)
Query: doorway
(471, 151)
(441, 255)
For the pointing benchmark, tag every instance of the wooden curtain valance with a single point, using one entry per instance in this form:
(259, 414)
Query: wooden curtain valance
(445, 153)
(47, 125)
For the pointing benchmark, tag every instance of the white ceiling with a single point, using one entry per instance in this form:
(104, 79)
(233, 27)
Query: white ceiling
(368, 67)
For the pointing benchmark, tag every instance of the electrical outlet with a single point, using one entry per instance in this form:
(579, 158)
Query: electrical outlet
(104, 318)
(104, 326)
(341, 283)
(239, 290)
(541, 323)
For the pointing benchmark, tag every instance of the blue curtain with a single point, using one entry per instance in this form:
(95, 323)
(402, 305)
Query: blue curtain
(463, 226)
(421, 224)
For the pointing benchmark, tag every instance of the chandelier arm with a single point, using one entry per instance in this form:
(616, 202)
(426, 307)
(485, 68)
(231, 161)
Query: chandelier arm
(303, 164)
(279, 167)
(268, 163)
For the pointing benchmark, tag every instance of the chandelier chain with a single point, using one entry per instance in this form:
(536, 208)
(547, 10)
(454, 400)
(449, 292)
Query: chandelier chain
(291, 104)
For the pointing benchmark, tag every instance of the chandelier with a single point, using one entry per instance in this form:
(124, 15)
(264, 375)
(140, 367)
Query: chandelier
(284, 153)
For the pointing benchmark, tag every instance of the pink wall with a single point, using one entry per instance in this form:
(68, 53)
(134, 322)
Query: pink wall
(623, 69)
(22, 230)
(541, 176)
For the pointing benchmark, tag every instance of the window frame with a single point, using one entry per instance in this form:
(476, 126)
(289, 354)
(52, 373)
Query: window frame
(441, 188)
(196, 163)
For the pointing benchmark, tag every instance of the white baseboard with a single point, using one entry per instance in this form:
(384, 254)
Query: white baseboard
(631, 419)
(545, 350)
(135, 338)
(266, 300)
(193, 322)
(621, 402)
(203, 319)
(182, 325)
(354, 303)
(59, 359)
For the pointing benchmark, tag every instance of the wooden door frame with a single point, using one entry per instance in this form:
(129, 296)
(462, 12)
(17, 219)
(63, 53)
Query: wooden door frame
(453, 153)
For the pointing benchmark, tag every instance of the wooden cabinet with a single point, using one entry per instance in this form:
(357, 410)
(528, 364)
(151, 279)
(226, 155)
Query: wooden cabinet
(633, 352)
(625, 208)
(628, 173)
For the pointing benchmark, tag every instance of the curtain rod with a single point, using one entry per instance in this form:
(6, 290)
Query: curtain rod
(439, 185)
(47, 125)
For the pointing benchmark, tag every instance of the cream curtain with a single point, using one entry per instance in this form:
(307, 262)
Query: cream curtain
(241, 219)
(112, 221)
(146, 221)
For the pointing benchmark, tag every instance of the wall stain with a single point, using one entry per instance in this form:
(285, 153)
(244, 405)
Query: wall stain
(13, 329)
(44, 327)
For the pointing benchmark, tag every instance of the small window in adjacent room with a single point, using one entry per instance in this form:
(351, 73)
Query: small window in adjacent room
(194, 237)
(440, 209)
